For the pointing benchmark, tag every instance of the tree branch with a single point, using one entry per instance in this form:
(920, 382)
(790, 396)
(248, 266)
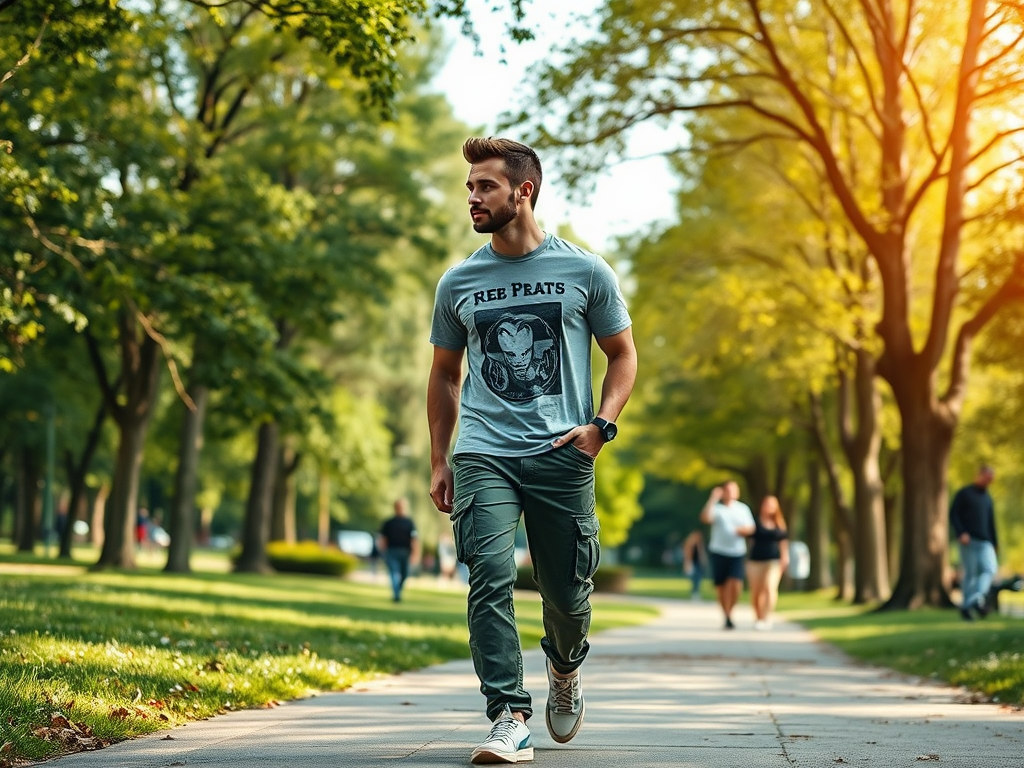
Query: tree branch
(992, 172)
(107, 390)
(818, 141)
(31, 49)
(1012, 290)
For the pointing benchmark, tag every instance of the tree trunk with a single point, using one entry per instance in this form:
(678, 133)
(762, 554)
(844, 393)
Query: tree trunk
(3, 488)
(182, 522)
(323, 529)
(862, 445)
(122, 508)
(132, 409)
(99, 515)
(893, 533)
(256, 527)
(26, 500)
(927, 439)
(844, 561)
(76, 472)
(816, 531)
(282, 527)
(759, 484)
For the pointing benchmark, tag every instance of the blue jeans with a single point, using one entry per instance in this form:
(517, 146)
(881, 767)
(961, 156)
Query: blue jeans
(554, 493)
(980, 565)
(397, 560)
(696, 577)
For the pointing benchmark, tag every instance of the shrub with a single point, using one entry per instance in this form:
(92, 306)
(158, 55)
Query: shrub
(609, 578)
(612, 578)
(310, 557)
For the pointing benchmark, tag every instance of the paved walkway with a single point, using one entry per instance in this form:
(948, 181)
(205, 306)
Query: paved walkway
(680, 693)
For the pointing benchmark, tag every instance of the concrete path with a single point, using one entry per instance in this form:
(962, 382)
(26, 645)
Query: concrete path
(680, 692)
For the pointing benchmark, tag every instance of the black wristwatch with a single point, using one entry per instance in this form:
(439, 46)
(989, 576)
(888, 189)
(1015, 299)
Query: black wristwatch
(608, 428)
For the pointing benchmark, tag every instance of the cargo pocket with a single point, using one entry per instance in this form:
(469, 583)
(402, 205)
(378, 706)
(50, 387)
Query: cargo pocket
(588, 550)
(464, 528)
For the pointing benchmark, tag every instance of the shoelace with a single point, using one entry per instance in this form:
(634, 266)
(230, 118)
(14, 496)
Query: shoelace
(504, 729)
(565, 690)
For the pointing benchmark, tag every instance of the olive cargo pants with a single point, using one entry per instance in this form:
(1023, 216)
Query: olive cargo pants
(554, 491)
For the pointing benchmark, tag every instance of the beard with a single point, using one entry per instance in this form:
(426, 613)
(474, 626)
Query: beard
(497, 218)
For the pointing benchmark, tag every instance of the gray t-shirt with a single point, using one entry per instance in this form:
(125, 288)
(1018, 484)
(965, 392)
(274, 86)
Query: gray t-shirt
(526, 325)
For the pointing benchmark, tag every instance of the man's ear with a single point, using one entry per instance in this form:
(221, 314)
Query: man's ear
(526, 189)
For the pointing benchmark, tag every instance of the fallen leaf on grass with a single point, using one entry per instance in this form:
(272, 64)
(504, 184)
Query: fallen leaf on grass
(120, 713)
(74, 737)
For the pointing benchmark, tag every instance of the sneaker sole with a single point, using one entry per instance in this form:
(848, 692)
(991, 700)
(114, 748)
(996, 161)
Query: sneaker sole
(576, 729)
(490, 757)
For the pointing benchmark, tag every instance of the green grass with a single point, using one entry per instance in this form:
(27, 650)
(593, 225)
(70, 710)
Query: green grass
(98, 657)
(986, 657)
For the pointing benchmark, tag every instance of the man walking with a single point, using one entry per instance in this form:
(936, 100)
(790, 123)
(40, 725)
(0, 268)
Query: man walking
(522, 311)
(972, 517)
(398, 542)
(731, 522)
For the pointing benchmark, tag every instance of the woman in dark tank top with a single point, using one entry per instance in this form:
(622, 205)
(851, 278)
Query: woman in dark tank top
(768, 559)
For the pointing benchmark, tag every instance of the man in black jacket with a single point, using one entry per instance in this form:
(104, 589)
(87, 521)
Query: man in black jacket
(972, 517)
(398, 542)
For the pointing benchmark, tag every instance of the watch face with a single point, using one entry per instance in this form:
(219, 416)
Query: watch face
(610, 431)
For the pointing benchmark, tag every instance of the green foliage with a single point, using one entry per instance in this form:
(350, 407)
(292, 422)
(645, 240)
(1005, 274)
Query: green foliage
(617, 487)
(216, 177)
(310, 557)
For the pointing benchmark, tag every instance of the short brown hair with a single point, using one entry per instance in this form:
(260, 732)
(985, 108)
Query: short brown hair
(521, 162)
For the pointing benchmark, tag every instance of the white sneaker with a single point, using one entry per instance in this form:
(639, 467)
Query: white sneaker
(508, 742)
(566, 707)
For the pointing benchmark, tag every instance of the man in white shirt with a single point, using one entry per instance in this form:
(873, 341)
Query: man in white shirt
(731, 522)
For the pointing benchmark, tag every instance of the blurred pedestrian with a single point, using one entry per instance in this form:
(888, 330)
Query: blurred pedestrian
(446, 556)
(143, 523)
(512, 330)
(731, 522)
(768, 560)
(694, 561)
(399, 543)
(972, 517)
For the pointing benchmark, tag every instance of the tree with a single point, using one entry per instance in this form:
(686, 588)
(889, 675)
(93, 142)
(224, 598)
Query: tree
(55, 33)
(933, 133)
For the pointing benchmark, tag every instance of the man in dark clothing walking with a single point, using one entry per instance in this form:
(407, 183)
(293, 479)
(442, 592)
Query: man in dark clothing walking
(398, 543)
(972, 517)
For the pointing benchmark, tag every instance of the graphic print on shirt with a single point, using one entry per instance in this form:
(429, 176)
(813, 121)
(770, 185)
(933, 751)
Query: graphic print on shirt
(522, 347)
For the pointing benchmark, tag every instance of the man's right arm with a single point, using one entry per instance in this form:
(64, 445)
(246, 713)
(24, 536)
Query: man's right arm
(443, 389)
(707, 514)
